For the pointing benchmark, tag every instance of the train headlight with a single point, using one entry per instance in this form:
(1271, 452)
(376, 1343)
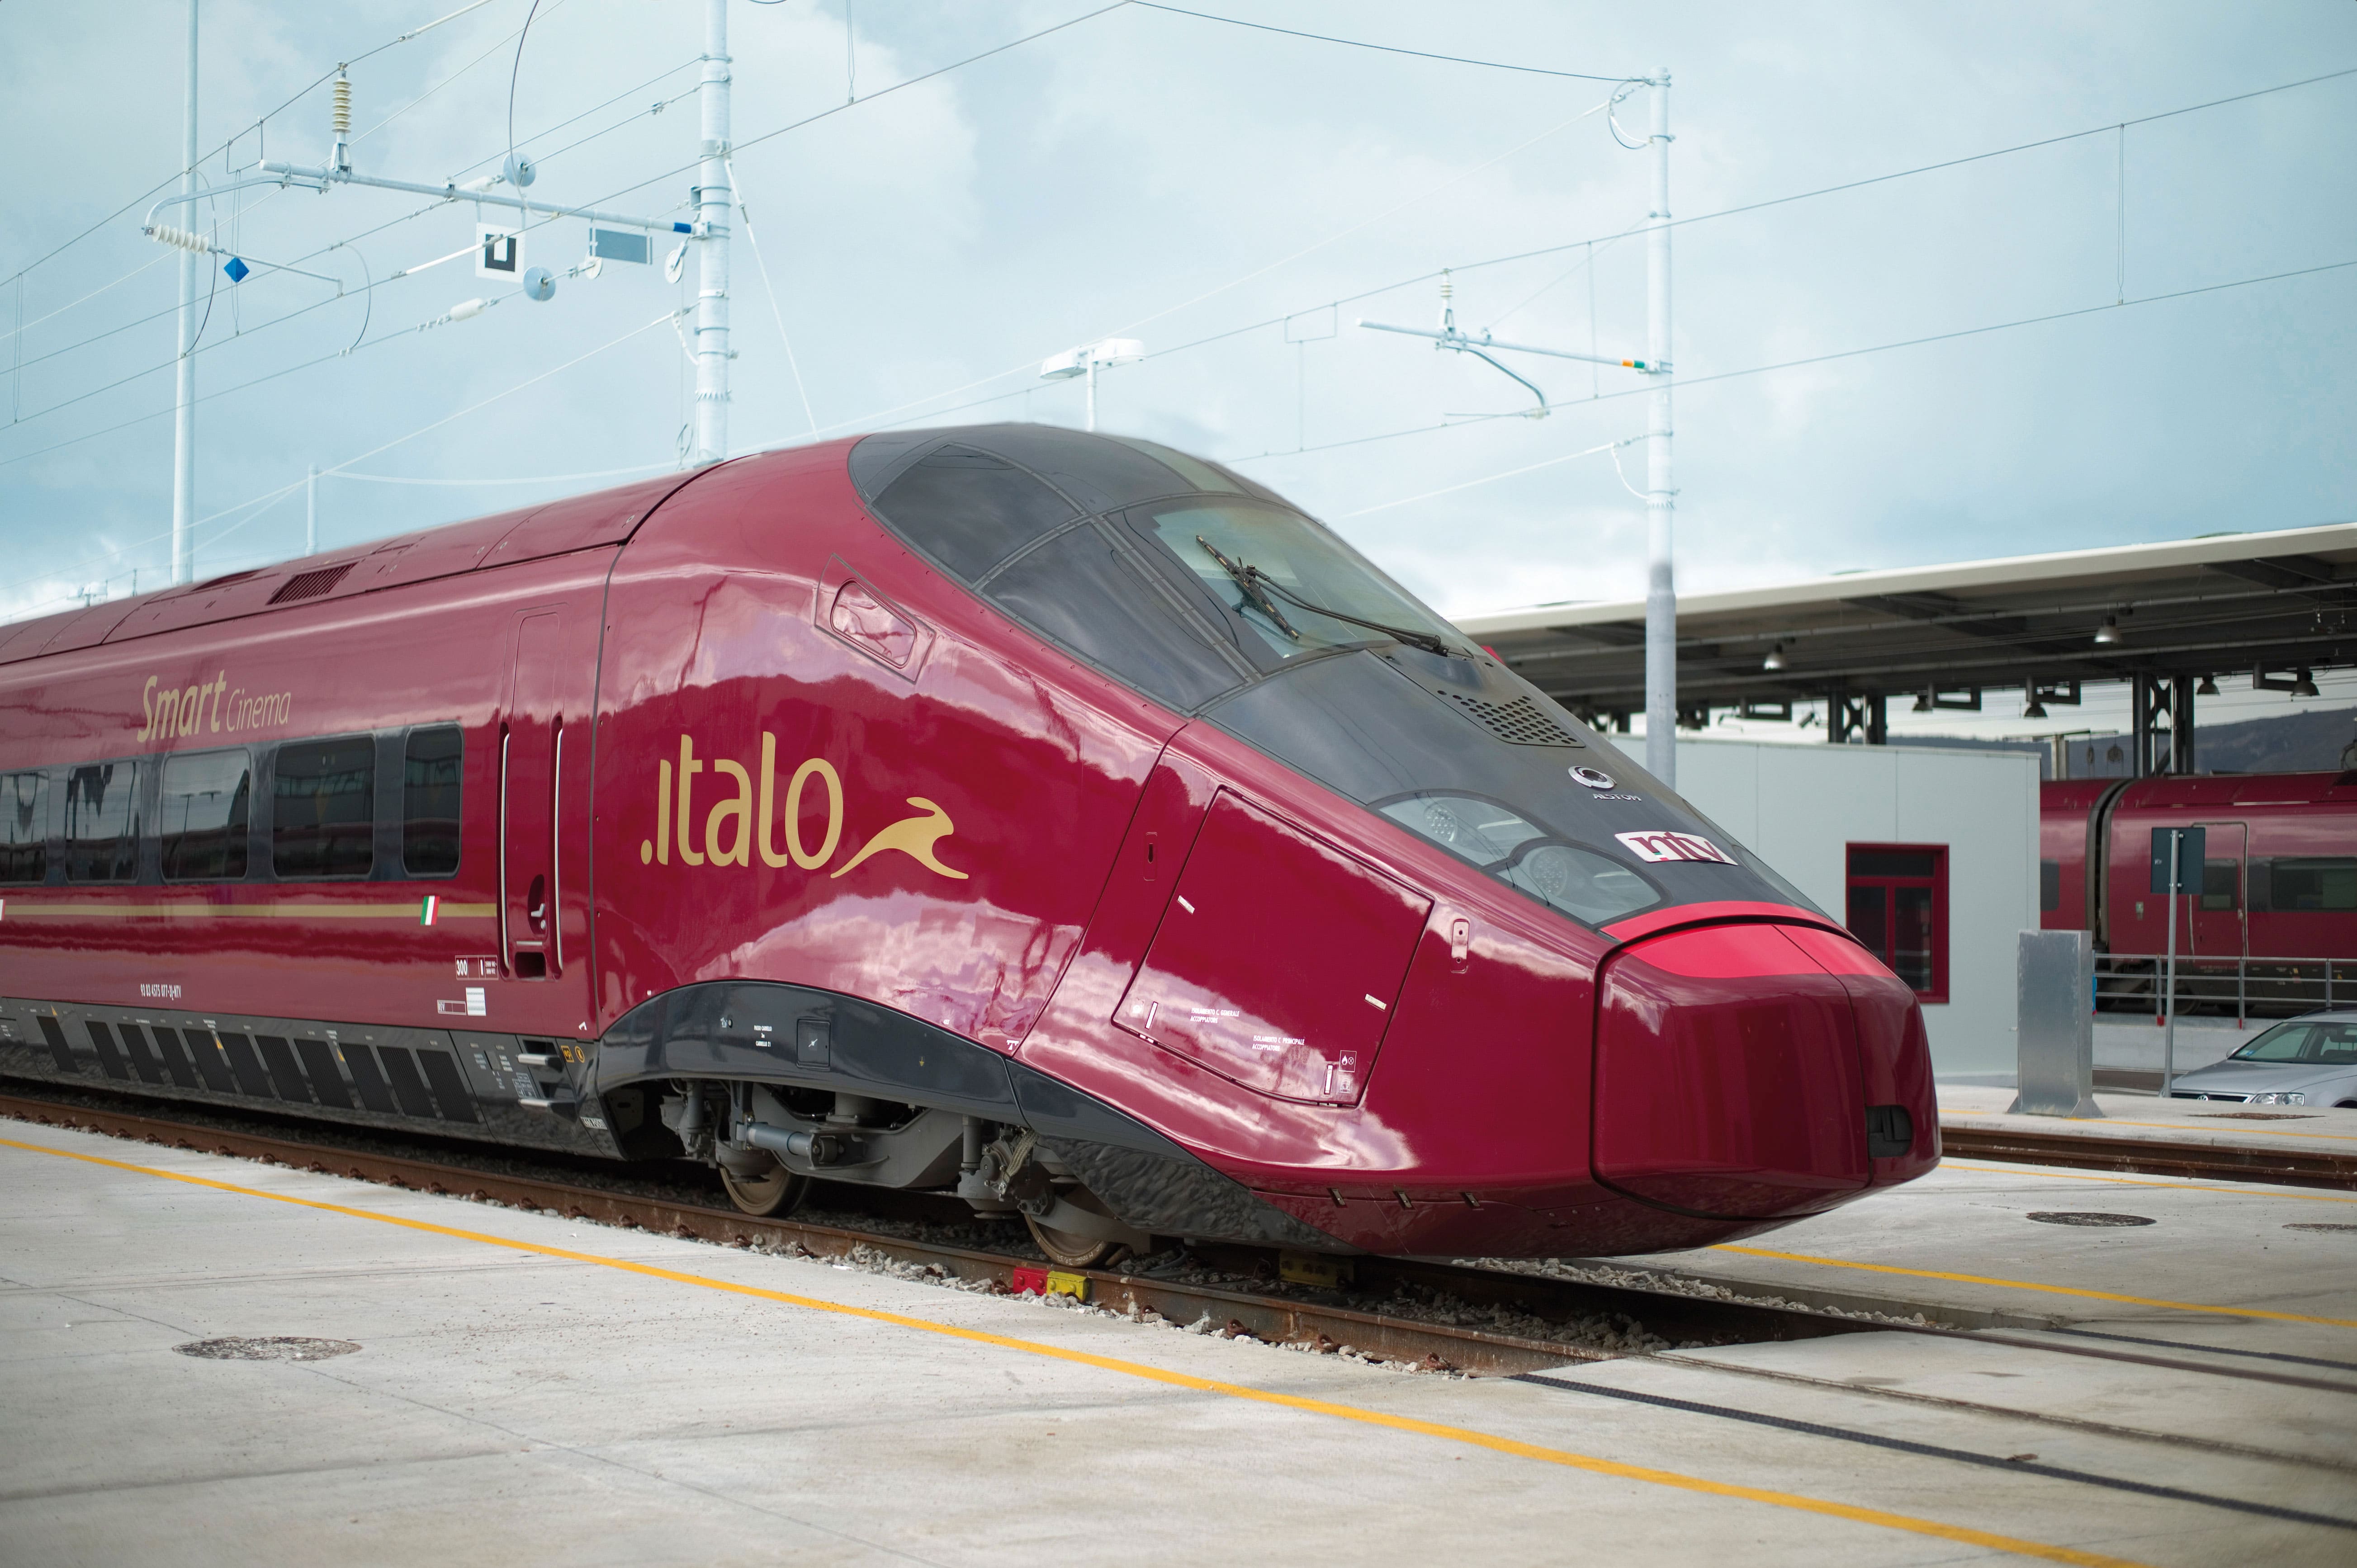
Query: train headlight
(2285, 1097)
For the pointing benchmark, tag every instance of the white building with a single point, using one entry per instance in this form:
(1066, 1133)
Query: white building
(1939, 847)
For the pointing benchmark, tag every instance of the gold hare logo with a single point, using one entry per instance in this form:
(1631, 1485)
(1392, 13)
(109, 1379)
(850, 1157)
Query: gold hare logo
(749, 820)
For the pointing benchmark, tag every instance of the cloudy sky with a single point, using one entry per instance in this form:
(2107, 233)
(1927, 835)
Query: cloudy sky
(1237, 198)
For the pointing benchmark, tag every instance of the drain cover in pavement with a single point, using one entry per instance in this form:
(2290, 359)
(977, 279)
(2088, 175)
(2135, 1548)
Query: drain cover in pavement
(276, 1347)
(2319, 1225)
(2069, 1217)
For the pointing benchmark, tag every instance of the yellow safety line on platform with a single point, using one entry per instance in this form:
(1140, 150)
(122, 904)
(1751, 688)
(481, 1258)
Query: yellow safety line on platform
(2032, 1285)
(2181, 1185)
(1565, 1457)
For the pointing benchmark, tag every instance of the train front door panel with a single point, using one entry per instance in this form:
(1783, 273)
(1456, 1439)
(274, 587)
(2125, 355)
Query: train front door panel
(1278, 960)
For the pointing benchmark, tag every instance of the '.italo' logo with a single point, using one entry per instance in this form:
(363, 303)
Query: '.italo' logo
(750, 820)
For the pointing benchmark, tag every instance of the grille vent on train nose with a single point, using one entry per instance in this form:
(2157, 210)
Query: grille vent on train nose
(1522, 721)
(312, 584)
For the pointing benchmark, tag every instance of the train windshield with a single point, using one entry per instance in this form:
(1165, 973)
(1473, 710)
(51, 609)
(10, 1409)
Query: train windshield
(1293, 585)
(1579, 882)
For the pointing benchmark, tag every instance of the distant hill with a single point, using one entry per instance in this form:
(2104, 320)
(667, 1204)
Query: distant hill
(2309, 740)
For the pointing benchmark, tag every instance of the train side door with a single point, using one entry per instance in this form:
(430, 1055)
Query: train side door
(2220, 923)
(531, 739)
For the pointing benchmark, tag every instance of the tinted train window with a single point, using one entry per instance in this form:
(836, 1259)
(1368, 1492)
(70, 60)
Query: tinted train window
(103, 822)
(1304, 561)
(1579, 882)
(201, 819)
(2312, 881)
(970, 511)
(1076, 589)
(2049, 885)
(323, 807)
(430, 770)
(2221, 880)
(24, 827)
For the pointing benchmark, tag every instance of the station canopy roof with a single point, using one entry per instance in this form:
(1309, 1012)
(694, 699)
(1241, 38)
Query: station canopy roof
(2277, 601)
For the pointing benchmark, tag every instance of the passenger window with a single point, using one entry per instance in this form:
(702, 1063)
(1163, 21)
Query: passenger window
(24, 827)
(323, 808)
(2221, 881)
(2312, 882)
(103, 822)
(430, 773)
(2049, 885)
(201, 820)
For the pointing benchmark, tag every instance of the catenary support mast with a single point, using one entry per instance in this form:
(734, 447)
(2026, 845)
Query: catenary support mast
(713, 198)
(1660, 583)
(184, 403)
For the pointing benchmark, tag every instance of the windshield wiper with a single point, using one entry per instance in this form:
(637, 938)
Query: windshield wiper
(1258, 584)
(1245, 577)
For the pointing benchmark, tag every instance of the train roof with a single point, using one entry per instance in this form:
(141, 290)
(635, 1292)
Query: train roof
(1097, 473)
(2209, 791)
(526, 534)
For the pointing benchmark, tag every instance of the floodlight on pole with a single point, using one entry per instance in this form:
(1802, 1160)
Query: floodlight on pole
(1084, 361)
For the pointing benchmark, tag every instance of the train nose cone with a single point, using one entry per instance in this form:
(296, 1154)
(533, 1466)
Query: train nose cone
(1730, 1077)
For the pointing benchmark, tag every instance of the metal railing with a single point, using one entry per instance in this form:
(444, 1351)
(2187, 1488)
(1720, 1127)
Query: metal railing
(2238, 988)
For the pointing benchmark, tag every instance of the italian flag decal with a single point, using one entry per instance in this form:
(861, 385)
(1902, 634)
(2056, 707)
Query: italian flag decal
(425, 911)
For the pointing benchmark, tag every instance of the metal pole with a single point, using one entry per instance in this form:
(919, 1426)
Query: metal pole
(184, 403)
(712, 223)
(2168, 988)
(311, 513)
(1092, 388)
(1661, 588)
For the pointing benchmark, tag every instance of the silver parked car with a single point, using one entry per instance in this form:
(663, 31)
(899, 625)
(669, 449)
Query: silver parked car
(2307, 1062)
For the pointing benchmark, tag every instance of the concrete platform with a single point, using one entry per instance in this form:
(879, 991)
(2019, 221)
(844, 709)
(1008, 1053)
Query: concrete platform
(530, 1389)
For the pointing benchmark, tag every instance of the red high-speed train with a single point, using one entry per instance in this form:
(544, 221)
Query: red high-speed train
(2279, 885)
(1051, 819)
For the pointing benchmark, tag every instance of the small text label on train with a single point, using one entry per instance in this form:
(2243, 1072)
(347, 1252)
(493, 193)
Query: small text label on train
(210, 707)
(1663, 845)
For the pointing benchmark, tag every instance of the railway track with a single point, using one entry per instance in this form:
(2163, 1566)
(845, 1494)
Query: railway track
(1310, 1317)
(1242, 1297)
(2288, 1168)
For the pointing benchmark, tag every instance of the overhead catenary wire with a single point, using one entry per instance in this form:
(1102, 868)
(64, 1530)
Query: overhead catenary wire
(1612, 446)
(382, 447)
(1685, 381)
(314, 85)
(1696, 217)
(1384, 49)
(349, 241)
(1026, 365)
(762, 261)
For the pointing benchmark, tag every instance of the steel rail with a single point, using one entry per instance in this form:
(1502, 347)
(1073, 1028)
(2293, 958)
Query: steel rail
(1738, 1313)
(1272, 1320)
(2288, 1167)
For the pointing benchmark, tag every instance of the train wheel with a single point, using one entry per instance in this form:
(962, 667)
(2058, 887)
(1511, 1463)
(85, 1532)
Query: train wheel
(774, 1194)
(1069, 1249)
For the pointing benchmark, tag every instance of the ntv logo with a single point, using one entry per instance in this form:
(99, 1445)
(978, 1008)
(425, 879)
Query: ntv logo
(747, 824)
